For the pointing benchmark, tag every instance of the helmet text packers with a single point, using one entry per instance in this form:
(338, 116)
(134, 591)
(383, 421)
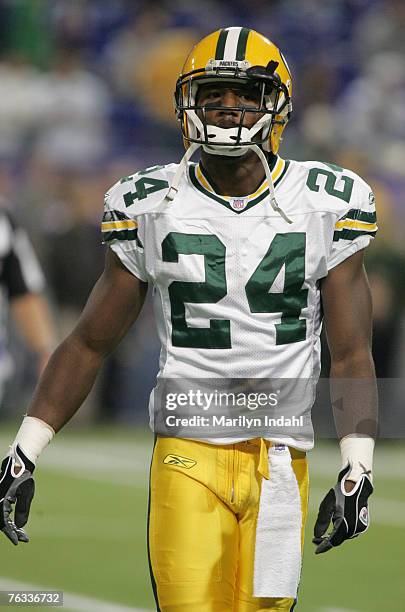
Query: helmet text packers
(235, 55)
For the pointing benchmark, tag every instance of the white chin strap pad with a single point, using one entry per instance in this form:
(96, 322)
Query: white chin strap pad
(226, 151)
(225, 135)
(218, 138)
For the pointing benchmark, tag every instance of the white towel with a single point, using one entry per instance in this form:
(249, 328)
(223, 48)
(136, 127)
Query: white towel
(277, 563)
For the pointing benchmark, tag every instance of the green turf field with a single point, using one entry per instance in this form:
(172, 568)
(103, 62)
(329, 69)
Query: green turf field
(88, 529)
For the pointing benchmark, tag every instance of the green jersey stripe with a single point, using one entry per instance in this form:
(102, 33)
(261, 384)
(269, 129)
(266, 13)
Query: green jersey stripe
(359, 215)
(219, 52)
(114, 215)
(126, 234)
(348, 234)
(242, 42)
(222, 201)
(282, 175)
(198, 186)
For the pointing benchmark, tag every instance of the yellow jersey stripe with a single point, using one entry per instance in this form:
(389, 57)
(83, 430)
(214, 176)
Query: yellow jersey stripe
(357, 225)
(203, 180)
(275, 174)
(278, 169)
(107, 226)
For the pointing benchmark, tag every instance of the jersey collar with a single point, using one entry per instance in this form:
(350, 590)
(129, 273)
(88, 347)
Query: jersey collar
(237, 204)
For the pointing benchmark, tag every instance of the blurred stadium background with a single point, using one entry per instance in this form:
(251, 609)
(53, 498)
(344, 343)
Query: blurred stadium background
(85, 98)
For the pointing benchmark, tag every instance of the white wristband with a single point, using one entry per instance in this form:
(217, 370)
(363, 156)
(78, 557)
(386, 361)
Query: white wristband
(32, 437)
(357, 450)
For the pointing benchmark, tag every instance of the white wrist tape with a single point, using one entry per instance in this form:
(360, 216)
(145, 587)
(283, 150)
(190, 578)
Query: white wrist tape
(33, 436)
(357, 450)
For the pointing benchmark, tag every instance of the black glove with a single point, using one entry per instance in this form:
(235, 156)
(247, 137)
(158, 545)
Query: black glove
(348, 512)
(17, 490)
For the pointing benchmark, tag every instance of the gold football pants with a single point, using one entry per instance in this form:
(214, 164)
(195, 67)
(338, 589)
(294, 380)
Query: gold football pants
(203, 508)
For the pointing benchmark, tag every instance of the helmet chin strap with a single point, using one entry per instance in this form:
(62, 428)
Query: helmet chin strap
(221, 150)
(174, 187)
(273, 201)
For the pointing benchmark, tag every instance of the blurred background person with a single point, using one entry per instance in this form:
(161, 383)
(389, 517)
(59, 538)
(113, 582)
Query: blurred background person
(21, 296)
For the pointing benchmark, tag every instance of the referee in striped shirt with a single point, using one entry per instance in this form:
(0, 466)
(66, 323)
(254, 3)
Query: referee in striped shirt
(21, 287)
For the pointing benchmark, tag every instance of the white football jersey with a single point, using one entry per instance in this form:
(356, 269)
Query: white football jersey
(236, 287)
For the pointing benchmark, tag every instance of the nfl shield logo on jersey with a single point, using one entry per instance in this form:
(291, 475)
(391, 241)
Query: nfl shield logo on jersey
(239, 203)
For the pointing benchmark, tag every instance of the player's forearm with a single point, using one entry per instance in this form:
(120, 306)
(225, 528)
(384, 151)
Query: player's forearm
(65, 382)
(355, 412)
(353, 364)
(354, 402)
(354, 394)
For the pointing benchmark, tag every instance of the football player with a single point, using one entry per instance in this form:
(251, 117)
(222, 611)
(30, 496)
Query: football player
(242, 248)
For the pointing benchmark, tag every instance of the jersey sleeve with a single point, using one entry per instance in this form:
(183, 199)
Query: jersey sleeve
(120, 232)
(355, 229)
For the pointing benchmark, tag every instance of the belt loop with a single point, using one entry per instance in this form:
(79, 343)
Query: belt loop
(263, 467)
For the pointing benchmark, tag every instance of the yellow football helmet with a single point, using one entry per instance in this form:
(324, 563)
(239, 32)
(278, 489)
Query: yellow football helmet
(237, 55)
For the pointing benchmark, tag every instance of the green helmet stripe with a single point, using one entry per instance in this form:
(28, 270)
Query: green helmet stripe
(219, 52)
(242, 41)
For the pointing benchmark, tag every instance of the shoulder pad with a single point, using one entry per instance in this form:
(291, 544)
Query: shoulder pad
(140, 192)
(347, 190)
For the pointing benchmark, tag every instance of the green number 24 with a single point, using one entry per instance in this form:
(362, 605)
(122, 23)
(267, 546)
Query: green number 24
(286, 250)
